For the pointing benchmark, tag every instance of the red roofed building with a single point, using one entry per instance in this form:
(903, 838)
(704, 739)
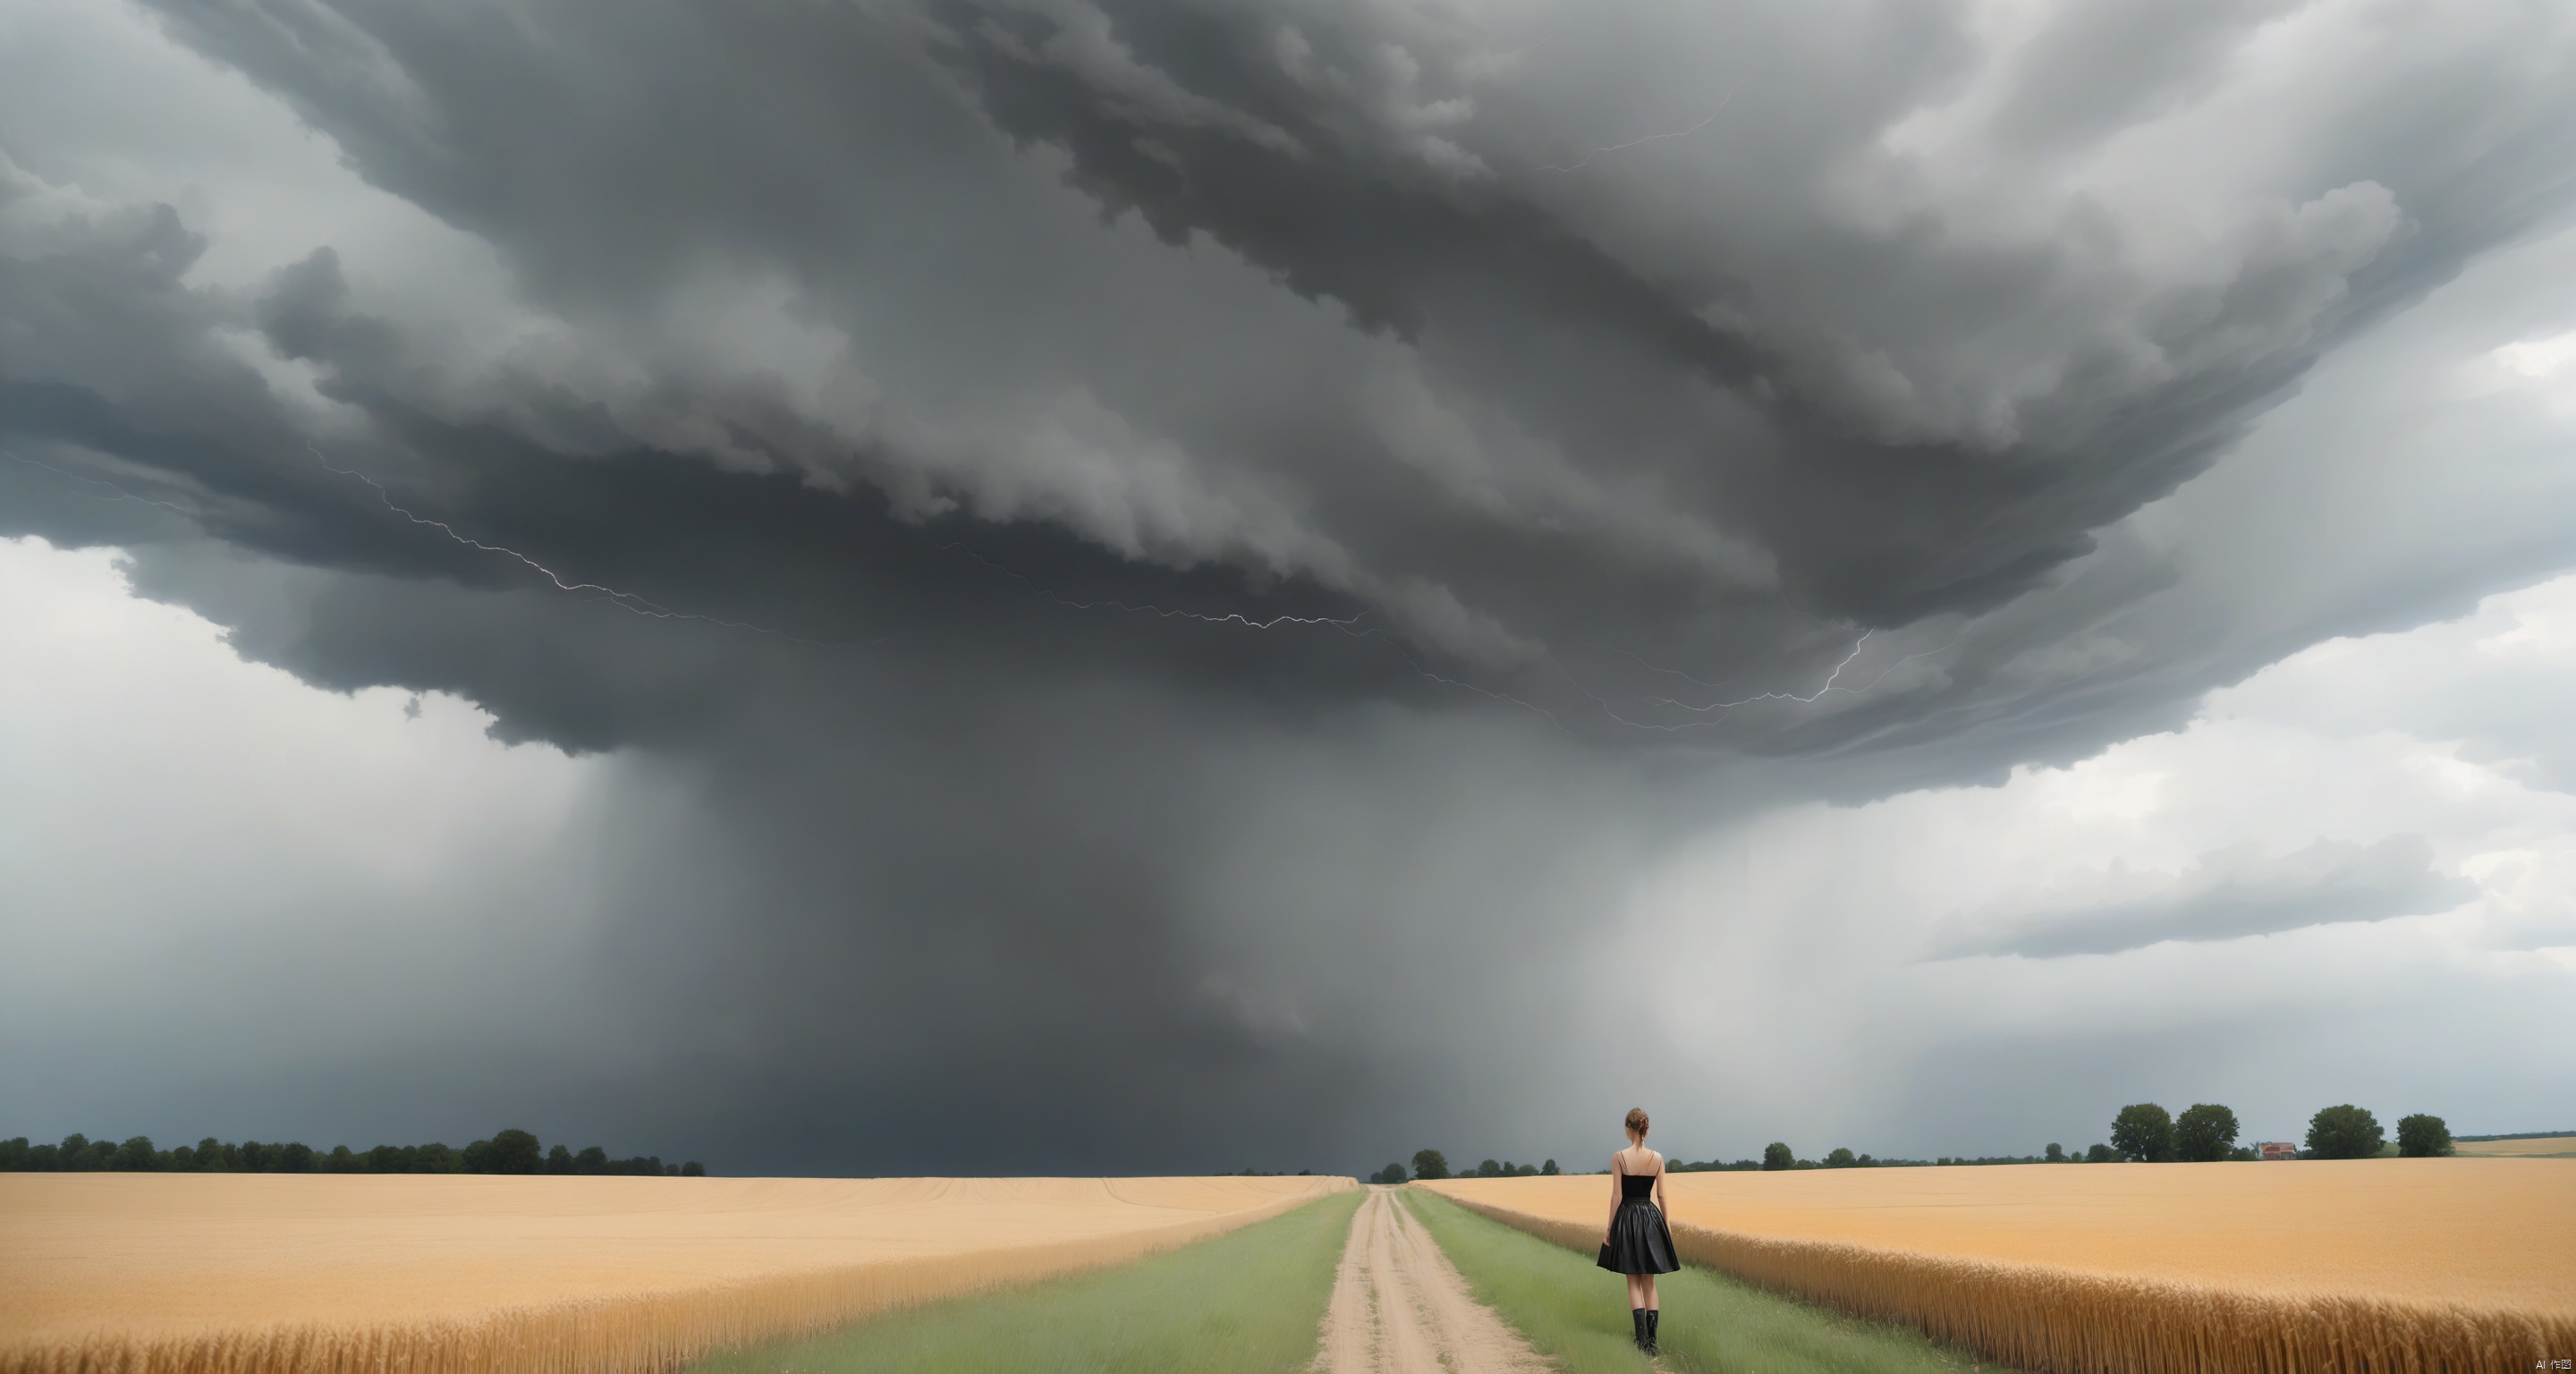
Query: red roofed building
(2276, 1149)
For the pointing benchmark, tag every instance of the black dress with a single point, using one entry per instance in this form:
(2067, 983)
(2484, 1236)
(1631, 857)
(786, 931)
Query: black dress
(1640, 1242)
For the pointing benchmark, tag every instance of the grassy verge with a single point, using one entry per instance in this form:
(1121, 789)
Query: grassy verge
(1249, 1300)
(1574, 1312)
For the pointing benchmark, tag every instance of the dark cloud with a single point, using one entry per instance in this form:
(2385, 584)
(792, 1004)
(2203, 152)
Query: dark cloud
(988, 454)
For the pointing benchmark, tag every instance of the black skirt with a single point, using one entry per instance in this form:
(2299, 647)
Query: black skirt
(1640, 1242)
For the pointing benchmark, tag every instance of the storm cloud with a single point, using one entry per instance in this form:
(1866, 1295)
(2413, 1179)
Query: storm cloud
(1164, 562)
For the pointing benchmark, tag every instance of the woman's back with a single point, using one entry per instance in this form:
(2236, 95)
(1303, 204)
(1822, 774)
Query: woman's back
(1635, 1241)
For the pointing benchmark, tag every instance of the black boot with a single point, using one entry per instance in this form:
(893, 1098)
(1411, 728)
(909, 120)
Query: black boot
(1637, 1318)
(1654, 1317)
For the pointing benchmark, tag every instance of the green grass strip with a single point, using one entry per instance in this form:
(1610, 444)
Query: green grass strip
(1577, 1314)
(1250, 1301)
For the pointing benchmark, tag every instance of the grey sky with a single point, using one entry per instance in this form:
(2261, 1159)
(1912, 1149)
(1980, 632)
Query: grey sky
(1160, 586)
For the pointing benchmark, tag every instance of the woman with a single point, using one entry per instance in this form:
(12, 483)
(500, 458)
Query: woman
(1637, 1243)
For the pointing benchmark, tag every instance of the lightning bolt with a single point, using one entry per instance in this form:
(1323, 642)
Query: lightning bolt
(1832, 682)
(1579, 163)
(1807, 700)
(623, 600)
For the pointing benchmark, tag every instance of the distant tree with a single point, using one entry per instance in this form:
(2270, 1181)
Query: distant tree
(694, 1169)
(73, 1153)
(1841, 1158)
(1776, 1155)
(2204, 1131)
(256, 1158)
(44, 1159)
(1430, 1164)
(13, 1154)
(509, 1152)
(593, 1160)
(2143, 1133)
(559, 1160)
(2056, 1153)
(295, 1157)
(135, 1155)
(2345, 1132)
(1488, 1169)
(210, 1154)
(2100, 1154)
(436, 1157)
(1548, 1170)
(2420, 1136)
(342, 1160)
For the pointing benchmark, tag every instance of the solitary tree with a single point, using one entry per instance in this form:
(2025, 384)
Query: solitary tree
(2345, 1132)
(1430, 1164)
(2143, 1133)
(1841, 1158)
(2419, 1136)
(1776, 1155)
(2056, 1153)
(1548, 1169)
(2099, 1153)
(1489, 1169)
(2205, 1131)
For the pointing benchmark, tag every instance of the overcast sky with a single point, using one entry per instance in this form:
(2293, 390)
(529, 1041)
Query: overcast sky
(1144, 585)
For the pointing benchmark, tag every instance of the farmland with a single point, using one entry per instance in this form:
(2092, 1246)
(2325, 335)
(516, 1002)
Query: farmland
(397, 1272)
(2179, 1267)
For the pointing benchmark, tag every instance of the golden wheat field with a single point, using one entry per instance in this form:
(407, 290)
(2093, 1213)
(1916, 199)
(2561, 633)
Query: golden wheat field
(2434, 1264)
(142, 1273)
(2544, 1145)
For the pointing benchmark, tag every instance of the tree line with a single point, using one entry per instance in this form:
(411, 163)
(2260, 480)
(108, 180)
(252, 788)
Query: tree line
(2141, 1132)
(506, 1152)
(1431, 1164)
(2144, 1132)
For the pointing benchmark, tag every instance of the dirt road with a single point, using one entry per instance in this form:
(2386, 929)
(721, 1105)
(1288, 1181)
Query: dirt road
(1399, 1306)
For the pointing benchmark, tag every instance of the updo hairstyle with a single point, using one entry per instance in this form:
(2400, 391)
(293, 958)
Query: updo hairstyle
(1637, 1121)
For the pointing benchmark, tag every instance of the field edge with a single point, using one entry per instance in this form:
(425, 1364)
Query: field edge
(2062, 1321)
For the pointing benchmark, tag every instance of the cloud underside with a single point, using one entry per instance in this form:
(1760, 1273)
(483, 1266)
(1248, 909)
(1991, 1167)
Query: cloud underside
(2233, 894)
(1165, 306)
